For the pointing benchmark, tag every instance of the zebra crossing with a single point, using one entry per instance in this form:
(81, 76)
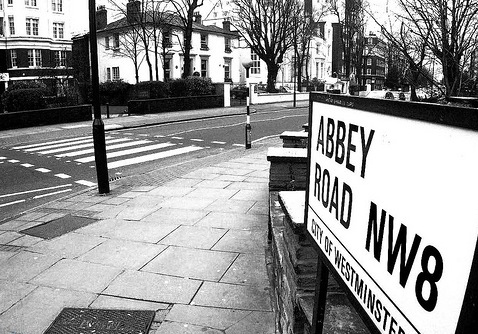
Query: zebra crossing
(120, 151)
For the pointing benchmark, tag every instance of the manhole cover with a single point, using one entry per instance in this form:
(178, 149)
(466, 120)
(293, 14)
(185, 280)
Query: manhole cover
(98, 321)
(58, 227)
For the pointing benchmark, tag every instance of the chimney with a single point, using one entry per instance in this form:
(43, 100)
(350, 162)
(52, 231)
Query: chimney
(101, 18)
(133, 11)
(197, 18)
(226, 25)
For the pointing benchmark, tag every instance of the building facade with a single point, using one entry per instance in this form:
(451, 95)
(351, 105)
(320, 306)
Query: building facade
(374, 62)
(35, 43)
(122, 54)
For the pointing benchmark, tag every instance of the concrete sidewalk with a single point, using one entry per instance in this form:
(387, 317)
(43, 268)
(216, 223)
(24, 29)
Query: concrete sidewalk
(193, 249)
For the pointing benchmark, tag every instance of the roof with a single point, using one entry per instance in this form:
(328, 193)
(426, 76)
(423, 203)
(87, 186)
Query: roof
(173, 20)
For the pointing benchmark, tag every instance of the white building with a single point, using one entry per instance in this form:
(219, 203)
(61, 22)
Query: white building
(35, 41)
(213, 54)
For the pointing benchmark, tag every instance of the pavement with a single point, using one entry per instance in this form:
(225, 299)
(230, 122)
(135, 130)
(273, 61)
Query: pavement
(192, 247)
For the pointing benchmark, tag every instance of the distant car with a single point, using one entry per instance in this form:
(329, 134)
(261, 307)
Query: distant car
(284, 89)
(239, 92)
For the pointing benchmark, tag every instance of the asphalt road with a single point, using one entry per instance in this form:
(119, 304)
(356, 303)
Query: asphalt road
(35, 171)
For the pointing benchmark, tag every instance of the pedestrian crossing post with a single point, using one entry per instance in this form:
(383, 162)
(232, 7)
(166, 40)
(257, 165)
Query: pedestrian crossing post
(247, 65)
(98, 125)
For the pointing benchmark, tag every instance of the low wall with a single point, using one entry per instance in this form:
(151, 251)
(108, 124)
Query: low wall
(278, 97)
(154, 106)
(23, 119)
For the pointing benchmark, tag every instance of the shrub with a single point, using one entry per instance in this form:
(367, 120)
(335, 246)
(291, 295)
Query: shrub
(24, 99)
(114, 92)
(178, 88)
(151, 89)
(389, 96)
(191, 86)
(27, 84)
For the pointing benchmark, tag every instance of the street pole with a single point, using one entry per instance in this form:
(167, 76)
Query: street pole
(98, 125)
(247, 65)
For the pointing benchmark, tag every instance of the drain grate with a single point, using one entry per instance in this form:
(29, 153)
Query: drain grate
(58, 227)
(101, 321)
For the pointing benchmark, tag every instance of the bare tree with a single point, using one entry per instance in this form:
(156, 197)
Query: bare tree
(449, 29)
(268, 28)
(186, 10)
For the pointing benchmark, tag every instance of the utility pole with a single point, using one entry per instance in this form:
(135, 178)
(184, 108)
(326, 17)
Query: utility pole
(98, 125)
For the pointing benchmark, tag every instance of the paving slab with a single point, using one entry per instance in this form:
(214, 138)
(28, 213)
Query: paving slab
(24, 266)
(69, 245)
(214, 184)
(247, 269)
(7, 237)
(192, 263)
(219, 318)
(122, 254)
(109, 302)
(136, 213)
(13, 225)
(230, 205)
(129, 230)
(176, 216)
(25, 241)
(256, 322)
(34, 313)
(194, 237)
(168, 327)
(242, 297)
(77, 275)
(235, 221)
(153, 287)
(251, 194)
(12, 292)
(169, 191)
(242, 242)
(215, 194)
(187, 203)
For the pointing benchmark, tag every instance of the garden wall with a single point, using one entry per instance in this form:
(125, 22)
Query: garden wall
(23, 119)
(153, 106)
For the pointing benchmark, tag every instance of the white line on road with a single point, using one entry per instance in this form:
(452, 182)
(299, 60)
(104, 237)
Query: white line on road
(68, 144)
(51, 194)
(108, 148)
(49, 143)
(27, 165)
(180, 138)
(194, 139)
(71, 148)
(155, 156)
(218, 142)
(86, 183)
(63, 176)
(35, 190)
(76, 126)
(127, 152)
(3, 158)
(43, 170)
(11, 203)
(13, 161)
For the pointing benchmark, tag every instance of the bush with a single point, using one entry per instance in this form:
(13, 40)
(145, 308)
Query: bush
(114, 92)
(151, 89)
(24, 99)
(192, 86)
(27, 84)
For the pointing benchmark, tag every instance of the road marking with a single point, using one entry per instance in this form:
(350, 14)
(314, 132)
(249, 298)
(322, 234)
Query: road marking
(11, 203)
(177, 138)
(155, 156)
(63, 176)
(86, 183)
(108, 148)
(239, 145)
(50, 146)
(194, 139)
(35, 190)
(3, 158)
(43, 170)
(76, 126)
(27, 165)
(127, 152)
(71, 148)
(51, 142)
(159, 136)
(143, 135)
(13, 161)
(218, 142)
(51, 194)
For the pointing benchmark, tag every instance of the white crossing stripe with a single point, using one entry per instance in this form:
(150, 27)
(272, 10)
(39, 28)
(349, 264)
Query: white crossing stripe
(13, 161)
(63, 176)
(108, 148)
(3, 158)
(50, 146)
(35, 190)
(127, 152)
(27, 165)
(51, 142)
(154, 156)
(82, 146)
(86, 183)
(43, 170)
(218, 142)
(194, 139)
(177, 138)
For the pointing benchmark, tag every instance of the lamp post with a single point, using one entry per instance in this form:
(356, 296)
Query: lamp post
(98, 125)
(247, 63)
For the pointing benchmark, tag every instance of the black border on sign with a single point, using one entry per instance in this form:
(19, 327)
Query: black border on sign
(465, 118)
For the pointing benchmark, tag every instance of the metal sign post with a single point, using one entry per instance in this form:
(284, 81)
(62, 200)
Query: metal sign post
(248, 140)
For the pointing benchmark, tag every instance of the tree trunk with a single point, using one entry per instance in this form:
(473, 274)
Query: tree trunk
(272, 71)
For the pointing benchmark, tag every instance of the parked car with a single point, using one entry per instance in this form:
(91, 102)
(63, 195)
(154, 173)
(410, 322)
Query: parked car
(239, 92)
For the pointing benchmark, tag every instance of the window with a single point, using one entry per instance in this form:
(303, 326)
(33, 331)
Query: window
(34, 58)
(1, 27)
(227, 70)
(204, 42)
(107, 42)
(370, 40)
(167, 43)
(108, 74)
(369, 71)
(369, 61)
(10, 2)
(58, 29)
(57, 5)
(32, 26)
(116, 41)
(60, 58)
(13, 57)
(11, 25)
(167, 68)
(227, 44)
(204, 67)
(32, 3)
(256, 64)
(116, 73)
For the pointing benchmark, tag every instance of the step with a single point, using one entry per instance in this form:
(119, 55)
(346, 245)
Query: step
(295, 139)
